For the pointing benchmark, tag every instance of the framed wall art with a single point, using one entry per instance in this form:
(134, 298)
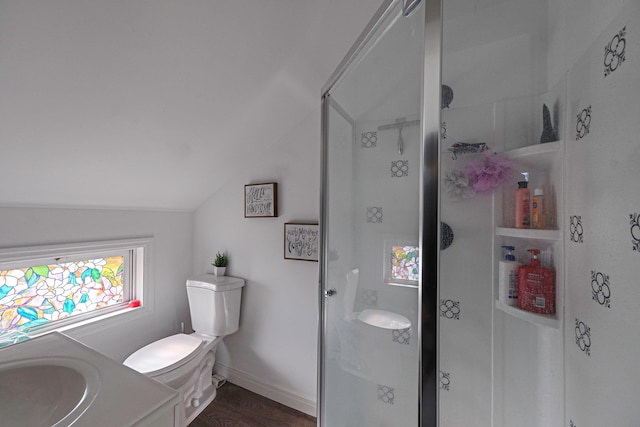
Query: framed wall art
(301, 241)
(261, 200)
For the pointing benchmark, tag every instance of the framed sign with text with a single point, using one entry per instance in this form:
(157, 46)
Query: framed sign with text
(261, 200)
(301, 241)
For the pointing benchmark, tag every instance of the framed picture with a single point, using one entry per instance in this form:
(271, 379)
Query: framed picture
(261, 200)
(301, 241)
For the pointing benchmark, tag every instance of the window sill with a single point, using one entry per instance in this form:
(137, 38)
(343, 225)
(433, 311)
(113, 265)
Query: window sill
(93, 325)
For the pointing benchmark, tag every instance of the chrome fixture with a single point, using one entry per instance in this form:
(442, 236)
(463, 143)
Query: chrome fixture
(408, 6)
(399, 124)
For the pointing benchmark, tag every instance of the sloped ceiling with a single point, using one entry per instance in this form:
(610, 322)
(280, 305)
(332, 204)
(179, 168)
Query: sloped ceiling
(153, 104)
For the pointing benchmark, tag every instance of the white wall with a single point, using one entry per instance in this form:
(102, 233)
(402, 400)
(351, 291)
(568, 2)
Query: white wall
(602, 242)
(274, 352)
(276, 344)
(258, 87)
(170, 263)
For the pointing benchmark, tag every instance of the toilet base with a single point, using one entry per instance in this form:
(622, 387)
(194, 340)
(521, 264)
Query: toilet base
(197, 391)
(192, 380)
(190, 377)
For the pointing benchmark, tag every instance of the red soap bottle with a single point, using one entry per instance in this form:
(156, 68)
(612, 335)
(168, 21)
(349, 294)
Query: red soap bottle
(536, 286)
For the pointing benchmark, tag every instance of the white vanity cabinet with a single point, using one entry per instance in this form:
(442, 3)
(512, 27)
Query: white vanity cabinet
(78, 387)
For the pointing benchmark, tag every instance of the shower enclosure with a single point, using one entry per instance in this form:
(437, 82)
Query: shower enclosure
(373, 222)
(429, 124)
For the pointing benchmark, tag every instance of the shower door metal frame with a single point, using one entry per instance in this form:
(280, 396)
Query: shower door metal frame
(429, 292)
(429, 228)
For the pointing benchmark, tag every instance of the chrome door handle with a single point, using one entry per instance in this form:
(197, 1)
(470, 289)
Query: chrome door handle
(330, 292)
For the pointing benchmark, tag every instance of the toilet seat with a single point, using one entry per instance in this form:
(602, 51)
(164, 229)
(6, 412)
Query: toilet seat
(164, 355)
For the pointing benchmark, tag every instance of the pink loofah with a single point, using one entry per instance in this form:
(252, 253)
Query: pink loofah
(487, 174)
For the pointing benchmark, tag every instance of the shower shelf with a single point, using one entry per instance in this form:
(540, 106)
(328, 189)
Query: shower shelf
(528, 233)
(537, 319)
(544, 162)
(538, 155)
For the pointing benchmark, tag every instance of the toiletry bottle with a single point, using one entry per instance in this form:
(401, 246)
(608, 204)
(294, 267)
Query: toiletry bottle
(508, 277)
(538, 214)
(536, 286)
(522, 205)
(550, 210)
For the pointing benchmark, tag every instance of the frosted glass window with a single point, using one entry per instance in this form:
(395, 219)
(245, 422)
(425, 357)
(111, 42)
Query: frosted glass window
(35, 295)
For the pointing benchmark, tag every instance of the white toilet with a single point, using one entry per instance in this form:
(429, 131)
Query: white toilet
(184, 362)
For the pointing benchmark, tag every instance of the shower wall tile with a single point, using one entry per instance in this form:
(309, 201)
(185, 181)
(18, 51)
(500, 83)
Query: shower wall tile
(482, 64)
(445, 381)
(374, 214)
(363, 403)
(385, 206)
(450, 309)
(479, 75)
(602, 174)
(376, 172)
(466, 306)
(615, 52)
(583, 337)
(576, 229)
(369, 139)
(383, 209)
(382, 376)
(366, 298)
(518, 123)
(583, 122)
(634, 230)
(401, 336)
(468, 124)
(386, 394)
(601, 288)
(391, 405)
(601, 193)
(399, 168)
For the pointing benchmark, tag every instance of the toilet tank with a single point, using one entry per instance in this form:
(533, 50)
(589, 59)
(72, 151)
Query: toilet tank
(214, 303)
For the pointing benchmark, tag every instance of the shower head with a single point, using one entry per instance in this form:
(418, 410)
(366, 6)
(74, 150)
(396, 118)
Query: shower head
(399, 124)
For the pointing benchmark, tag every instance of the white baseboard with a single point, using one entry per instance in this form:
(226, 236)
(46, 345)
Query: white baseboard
(256, 385)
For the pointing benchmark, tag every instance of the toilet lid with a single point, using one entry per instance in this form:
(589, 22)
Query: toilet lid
(164, 353)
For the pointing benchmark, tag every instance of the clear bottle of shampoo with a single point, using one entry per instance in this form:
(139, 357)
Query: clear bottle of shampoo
(508, 277)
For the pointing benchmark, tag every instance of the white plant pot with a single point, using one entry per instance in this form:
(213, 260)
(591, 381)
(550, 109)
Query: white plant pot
(219, 271)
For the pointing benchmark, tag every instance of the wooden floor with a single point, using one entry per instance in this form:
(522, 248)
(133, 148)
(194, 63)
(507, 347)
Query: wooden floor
(237, 407)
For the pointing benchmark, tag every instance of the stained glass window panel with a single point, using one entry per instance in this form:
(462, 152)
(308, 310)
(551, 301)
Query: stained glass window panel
(37, 295)
(404, 263)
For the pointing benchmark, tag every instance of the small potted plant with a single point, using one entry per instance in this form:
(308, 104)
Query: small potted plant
(220, 263)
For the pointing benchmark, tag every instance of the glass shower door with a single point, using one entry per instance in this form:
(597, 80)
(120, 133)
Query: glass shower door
(371, 206)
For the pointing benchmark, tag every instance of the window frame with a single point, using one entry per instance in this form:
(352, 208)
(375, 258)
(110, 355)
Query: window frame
(135, 250)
